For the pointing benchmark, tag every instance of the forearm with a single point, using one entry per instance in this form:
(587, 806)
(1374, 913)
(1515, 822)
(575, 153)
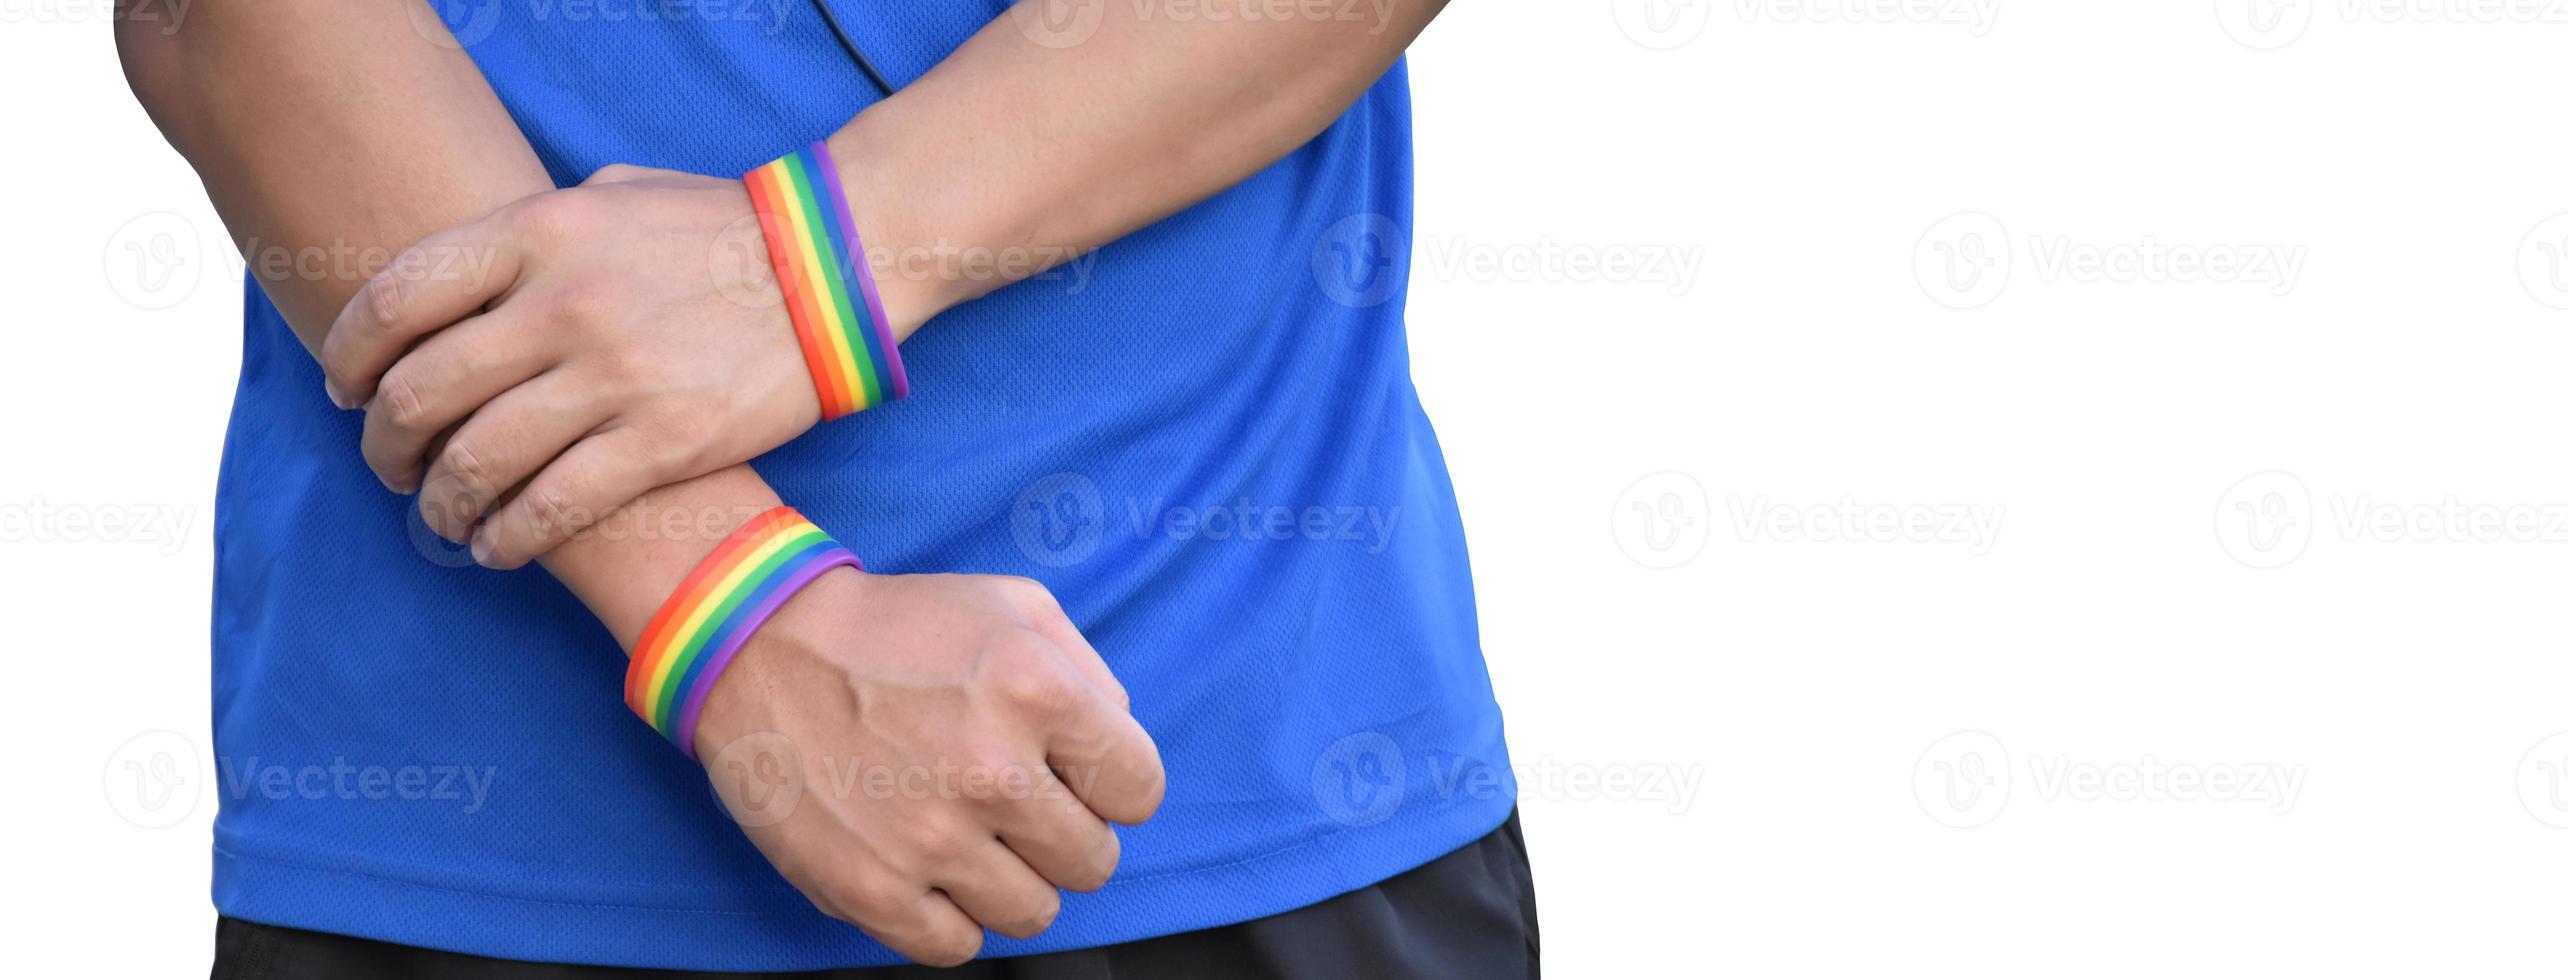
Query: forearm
(333, 129)
(330, 130)
(1010, 144)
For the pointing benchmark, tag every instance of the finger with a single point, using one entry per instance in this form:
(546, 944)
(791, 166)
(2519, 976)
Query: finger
(503, 444)
(588, 481)
(999, 891)
(1068, 845)
(622, 173)
(1109, 761)
(447, 377)
(936, 933)
(442, 279)
(925, 925)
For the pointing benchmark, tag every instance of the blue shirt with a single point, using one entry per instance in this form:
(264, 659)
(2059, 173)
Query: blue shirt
(1202, 438)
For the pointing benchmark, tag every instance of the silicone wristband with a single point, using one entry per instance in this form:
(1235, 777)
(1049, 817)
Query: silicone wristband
(728, 596)
(828, 285)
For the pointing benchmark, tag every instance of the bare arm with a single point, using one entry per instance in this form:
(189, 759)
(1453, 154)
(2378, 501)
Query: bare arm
(342, 126)
(1030, 135)
(1011, 148)
(334, 124)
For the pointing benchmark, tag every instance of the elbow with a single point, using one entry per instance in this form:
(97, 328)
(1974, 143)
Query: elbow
(159, 62)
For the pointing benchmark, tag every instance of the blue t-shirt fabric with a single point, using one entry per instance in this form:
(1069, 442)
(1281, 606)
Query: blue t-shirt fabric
(1202, 438)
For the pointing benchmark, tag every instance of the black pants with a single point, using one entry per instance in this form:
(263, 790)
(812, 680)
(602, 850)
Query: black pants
(1466, 914)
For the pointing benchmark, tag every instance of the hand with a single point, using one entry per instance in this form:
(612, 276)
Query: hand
(926, 755)
(593, 343)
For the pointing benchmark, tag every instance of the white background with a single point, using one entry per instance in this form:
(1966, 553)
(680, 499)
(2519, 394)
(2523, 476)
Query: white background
(2261, 656)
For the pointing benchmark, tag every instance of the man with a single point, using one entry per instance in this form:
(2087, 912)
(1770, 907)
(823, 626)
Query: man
(1243, 717)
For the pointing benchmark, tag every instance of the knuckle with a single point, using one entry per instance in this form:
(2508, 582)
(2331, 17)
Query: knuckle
(463, 472)
(938, 841)
(1026, 591)
(404, 407)
(551, 216)
(667, 449)
(1036, 915)
(548, 507)
(869, 899)
(988, 774)
(1031, 685)
(586, 304)
(387, 295)
(1098, 866)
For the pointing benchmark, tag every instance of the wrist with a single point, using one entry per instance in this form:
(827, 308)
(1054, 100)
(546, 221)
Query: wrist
(624, 566)
(711, 615)
(781, 656)
(908, 223)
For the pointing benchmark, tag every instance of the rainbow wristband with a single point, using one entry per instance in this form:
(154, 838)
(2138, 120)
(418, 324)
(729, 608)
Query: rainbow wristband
(828, 285)
(728, 596)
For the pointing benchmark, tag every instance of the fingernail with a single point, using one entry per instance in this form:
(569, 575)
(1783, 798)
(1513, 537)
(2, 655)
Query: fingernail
(481, 551)
(337, 397)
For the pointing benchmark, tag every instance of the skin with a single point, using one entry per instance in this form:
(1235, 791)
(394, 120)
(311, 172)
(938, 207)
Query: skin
(341, 125)
(620, 343)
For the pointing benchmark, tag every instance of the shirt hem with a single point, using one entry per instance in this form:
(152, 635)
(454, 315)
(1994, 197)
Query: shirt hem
(759, 930)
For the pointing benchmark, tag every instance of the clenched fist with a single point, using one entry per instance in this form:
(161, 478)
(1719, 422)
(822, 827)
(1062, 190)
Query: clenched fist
(928, 755)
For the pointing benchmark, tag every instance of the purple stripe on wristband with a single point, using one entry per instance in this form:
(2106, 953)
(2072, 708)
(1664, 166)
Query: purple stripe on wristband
(896, 378)
(757, 616)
